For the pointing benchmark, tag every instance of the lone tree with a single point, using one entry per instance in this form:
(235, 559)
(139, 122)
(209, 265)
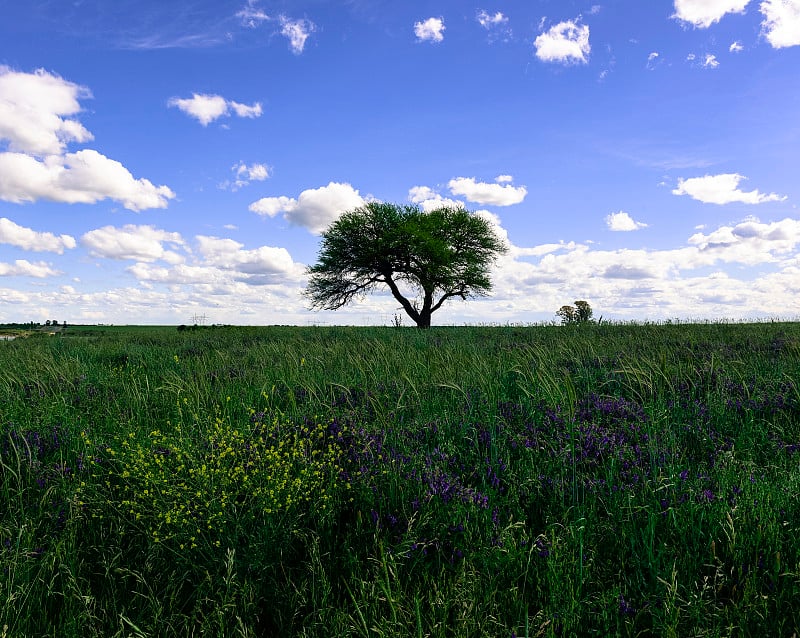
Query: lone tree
(441, 254)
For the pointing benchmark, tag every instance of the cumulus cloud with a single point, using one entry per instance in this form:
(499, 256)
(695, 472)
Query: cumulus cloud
(231, 255)
(29, 239)
(254, 172)
(644, 283)
(224, 267)
(722, 189)
(496, 194)
(652, 60)
(36, 112)
(750, 241)
(781, 25)
(428, 199)
(25, 268)
(431, 30)
(85, 177)
(710, 62)
(704, 13)
(34, 121)
(566, 42)
(139, 243)
(206, 108)
(622, 221)
(314, 209)
(735, 47)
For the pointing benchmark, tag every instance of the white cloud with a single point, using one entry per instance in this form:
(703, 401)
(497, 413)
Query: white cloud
(488, 194)
(704, 13)
(488, 21)
(244, 174)
(496, 25)
(432, 30)
(35, 109)
(314, 209)
(251, 15)
(710, 61)
(722, 189)
(652, 60)
(428, 199)
(223, 267)
(735, 47)
(751, 241)
(25, 268)
(271, 206)
(265, 260)
(232, 284)
(781, 24)
(140, 243)
(206, 108)
(566, 42)
(297, 32)
(649, 283)
(28, 239)
(84, 177)
(418, 194)
(691, 57)
(622, 221)
(254, 172)
(244, 110)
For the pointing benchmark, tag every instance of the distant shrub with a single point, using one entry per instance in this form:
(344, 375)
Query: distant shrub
(581, 312)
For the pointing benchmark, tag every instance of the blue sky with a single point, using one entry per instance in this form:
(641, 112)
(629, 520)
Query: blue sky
(161, 160)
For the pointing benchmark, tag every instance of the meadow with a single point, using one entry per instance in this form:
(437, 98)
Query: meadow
(589, 480)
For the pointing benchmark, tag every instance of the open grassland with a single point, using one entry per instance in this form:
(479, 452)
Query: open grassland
(543, 481)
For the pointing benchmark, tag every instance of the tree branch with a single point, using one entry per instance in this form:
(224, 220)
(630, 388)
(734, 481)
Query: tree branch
(455, 293)
(407, 306)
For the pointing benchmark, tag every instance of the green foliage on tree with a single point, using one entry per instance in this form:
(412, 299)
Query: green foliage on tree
(581, 312)
(439, 255)
(567, 314)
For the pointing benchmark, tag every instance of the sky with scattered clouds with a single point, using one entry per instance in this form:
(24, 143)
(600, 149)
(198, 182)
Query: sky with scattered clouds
(162, 161)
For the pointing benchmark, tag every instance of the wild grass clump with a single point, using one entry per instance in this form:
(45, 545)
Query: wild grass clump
(543, 481)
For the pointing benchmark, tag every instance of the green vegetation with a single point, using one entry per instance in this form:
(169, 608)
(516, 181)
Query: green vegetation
(589, 480)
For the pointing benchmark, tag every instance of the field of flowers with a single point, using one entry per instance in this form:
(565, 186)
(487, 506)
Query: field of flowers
(591, 480)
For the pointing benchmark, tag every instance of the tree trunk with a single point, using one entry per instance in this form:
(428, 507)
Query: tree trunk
(425, 313)
(424, 320)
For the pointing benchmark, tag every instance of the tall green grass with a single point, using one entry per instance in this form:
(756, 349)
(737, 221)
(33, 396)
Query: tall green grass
(590, 480)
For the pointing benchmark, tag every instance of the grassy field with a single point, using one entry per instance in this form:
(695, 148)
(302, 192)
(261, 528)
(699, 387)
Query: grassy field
(611, 480)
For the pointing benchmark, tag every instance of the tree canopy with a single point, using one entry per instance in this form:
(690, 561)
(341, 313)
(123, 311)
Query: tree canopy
(441, 254)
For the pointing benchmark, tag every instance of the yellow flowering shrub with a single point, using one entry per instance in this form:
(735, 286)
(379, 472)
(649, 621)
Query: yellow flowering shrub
(193, 487)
